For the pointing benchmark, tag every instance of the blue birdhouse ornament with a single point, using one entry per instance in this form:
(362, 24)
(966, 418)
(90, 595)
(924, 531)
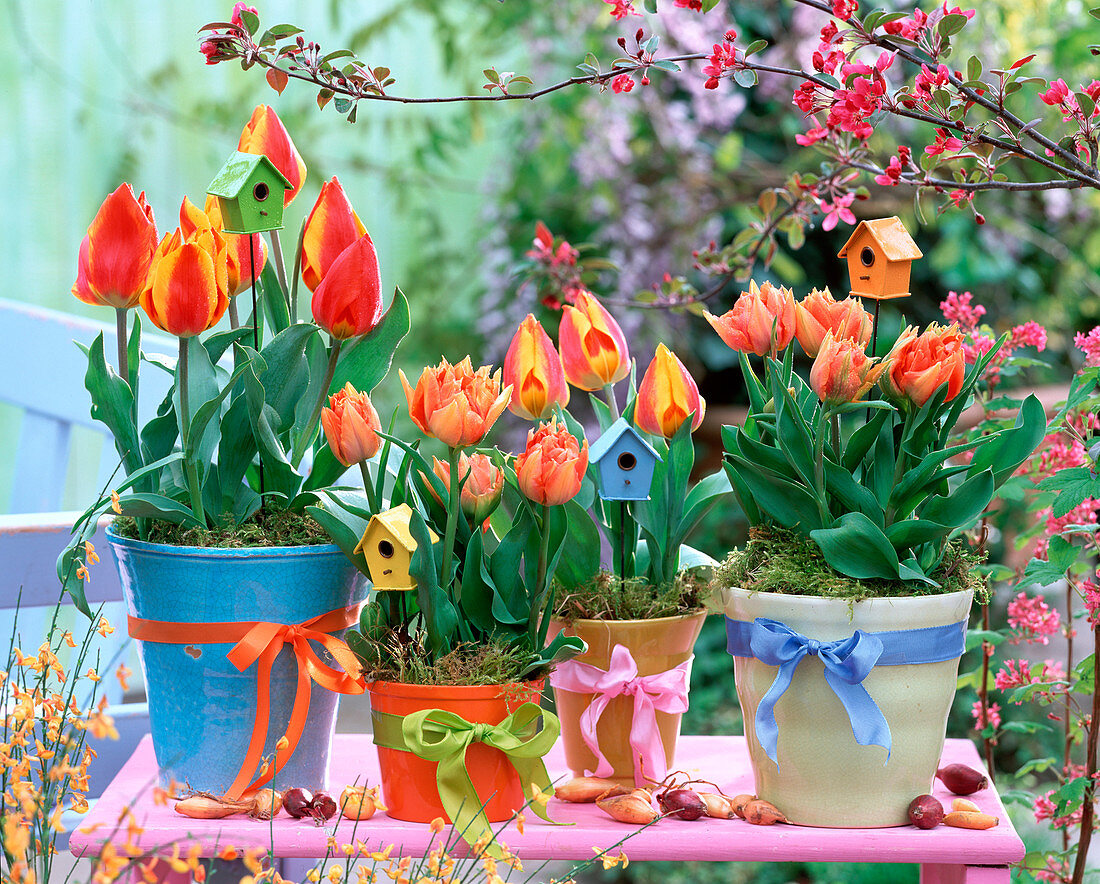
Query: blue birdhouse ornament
(625, 463)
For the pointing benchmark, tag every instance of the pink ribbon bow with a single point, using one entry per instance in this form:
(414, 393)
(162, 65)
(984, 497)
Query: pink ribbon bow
(664, 691)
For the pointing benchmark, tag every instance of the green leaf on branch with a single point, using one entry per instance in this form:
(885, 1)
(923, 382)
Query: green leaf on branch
(1074, 485)
(1061, 556)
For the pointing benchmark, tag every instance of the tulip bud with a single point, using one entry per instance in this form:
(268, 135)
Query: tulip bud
(918, 365)
(117, 252)
(351, 426)
(348, 302)
(762, 321)
(482, 485)
(454, 403)
(842, 372)
(818, 313)
(187, 290)
(593, 347)
(666, 396)
(331, 227)
(239, 262)
(265, 134)
(552, 467)
(533, 369)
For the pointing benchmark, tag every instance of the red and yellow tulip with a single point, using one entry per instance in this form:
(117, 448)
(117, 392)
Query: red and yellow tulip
(842, 371)
(819, 313)
(348, 302)
(456, 404)
(351, 426)
(265, 133)
(187, 289)
(552, 467)
(762, 321)
(593, 347)
(532, 368)
(667, 395)
(236, 244)
(331, 227)
(116, 253)
(920, 364)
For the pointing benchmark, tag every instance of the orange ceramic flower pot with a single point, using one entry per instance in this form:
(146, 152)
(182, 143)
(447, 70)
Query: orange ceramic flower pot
(408, 782)
(656, 646)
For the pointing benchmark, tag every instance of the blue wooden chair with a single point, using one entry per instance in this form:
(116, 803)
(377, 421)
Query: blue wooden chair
(42, 375)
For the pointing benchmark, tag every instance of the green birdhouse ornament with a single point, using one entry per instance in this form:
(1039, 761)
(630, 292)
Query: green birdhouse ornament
(250, 192)
(388, 545)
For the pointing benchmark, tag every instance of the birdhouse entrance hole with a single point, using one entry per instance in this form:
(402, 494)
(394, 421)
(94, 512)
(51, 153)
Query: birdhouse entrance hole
(385, 549)
(867, 256)
(627, 461)
(261, 192)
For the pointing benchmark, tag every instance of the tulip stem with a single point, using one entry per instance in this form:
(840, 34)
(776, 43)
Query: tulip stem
(297, 273)
(836, 436)
(368, 486)
(540, 572)
(234, 319)
(307, 434)
(280, 268)
(190, 468)
(609, 391)
(819, 467)
(123, 355)
(453, 512)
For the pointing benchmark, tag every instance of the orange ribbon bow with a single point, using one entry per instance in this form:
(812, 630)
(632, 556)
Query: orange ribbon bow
(260, 642)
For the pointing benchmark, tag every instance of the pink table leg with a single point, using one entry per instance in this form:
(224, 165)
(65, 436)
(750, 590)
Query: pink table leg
(938, 873)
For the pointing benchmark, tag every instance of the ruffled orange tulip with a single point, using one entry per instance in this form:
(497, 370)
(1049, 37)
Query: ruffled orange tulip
(593, 347)
(236, 244)
(331, 227)
(187, 290)
(348, 302)
(116, 254)
(762, 321)
(842, 371)
(667, 395)
(482, 485)
(819, 313)
(351, 426)
(551, 469)
(532, 368)
(454, 403)
(921, 364)
(265, 133)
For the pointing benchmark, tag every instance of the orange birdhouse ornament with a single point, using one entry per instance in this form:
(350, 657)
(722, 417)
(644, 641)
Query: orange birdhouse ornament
(880, 254)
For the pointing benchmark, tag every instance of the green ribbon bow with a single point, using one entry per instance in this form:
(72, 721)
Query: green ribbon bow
(443, 737)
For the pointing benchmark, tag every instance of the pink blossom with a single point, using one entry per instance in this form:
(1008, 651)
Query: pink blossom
(1089, 345)
(1056, 94)
(890, 176)
(1090, 589)
(723, 56)
(693, 5)
(210, 50)
(1032, 618)
(960, 197)
(1017, 674)
(1056, 452)
(812, 136)
(943, 143)
(969, 13)
(957, 308)
(620, 9)
(845, 9)
(993, 716)
(1030, 334)
(828, 34)
(804, 97)
(977, 346)
(238, 9)
(622, 83)
(838, 211)
(1085, 513)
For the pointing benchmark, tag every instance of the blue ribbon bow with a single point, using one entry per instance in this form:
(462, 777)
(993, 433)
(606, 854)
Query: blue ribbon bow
(847, 663)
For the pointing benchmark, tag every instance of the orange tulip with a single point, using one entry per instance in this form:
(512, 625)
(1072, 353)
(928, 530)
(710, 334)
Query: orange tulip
(348, 302)
(331, 227)
(921, 364)
(593, 347)
(117, 251)
(818, 313)
(265, 133)
(187, 289)
(666, 396)
(454, 403)
(532, 368)
(236, 244)
(551, 469)
(842, 372)
(762, 320)
(351, 426)
(482, 485)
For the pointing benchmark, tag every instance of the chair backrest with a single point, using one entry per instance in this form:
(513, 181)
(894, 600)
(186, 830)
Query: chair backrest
(42, 374)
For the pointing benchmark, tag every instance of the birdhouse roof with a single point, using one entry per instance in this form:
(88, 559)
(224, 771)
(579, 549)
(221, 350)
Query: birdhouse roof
(395, 522)
(892, 237)
(612, 435)
(234, 175)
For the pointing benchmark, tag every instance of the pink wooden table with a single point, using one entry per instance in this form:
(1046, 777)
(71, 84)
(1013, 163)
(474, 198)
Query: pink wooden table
(946, 855)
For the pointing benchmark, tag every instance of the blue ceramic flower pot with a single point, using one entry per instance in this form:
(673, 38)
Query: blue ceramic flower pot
(201, 707)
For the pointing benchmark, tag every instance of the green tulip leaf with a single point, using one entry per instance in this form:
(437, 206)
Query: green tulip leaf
(367, 361)
(857, 547)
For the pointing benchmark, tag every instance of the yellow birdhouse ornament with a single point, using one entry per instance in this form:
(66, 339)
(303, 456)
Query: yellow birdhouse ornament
(388, 545)
(880, 254)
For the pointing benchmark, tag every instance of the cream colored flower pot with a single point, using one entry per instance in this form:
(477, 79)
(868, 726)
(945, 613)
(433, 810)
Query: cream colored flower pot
(825, 778)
